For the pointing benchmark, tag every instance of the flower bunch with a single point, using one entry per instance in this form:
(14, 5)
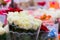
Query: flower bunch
(4, 29)
(24, 20)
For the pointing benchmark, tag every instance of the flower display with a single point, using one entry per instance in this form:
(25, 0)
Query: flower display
(24, 20)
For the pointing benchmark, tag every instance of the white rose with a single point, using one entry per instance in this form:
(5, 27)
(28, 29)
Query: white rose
(2, 31)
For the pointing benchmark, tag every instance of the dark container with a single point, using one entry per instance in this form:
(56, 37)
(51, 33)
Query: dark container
(21, 34)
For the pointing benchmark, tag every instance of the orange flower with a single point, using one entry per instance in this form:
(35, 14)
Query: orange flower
(59, 36)
(45, 17)
(54, 5)
(48, 17)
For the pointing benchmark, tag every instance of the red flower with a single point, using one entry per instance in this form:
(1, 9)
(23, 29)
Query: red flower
(1, 12)
(41, 3)
(14, 9)
(11, 9)
(44, 28)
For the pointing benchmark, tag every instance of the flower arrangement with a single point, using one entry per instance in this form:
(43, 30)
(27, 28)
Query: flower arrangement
(24, 20)
(3, 31)
(24, 24)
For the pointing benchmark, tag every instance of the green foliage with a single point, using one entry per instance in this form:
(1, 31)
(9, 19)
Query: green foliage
(3, 37)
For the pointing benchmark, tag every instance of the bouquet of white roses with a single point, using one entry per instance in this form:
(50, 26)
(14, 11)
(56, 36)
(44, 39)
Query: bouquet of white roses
(24, 20)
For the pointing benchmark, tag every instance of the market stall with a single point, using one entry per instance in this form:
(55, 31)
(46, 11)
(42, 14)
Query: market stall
(30, 22)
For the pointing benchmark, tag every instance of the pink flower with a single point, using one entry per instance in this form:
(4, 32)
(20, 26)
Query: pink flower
(7, 1)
